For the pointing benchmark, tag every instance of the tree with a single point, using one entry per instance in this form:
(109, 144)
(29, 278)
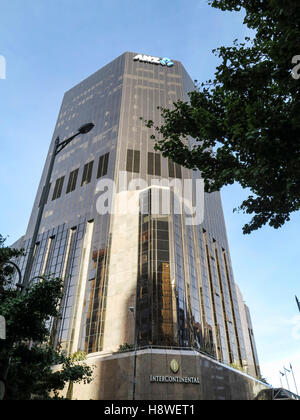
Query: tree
(26, 349)
(246, 122)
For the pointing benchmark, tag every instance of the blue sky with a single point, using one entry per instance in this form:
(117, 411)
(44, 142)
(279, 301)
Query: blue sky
(50, 46)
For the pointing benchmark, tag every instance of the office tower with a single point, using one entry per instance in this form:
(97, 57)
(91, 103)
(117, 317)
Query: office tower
(252, 358)
(174, 274)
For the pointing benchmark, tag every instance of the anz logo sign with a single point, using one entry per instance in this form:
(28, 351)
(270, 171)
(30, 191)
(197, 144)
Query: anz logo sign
(154, 60)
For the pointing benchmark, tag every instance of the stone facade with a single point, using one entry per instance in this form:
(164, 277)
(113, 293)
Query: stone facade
(113, 378)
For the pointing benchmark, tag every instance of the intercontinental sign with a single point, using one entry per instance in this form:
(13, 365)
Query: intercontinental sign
(175, 379)
(174, 366)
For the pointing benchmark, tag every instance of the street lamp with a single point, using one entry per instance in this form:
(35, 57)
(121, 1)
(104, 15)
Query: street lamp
(58, 147)
(23, 285)
(16, 267)
(86, 128)
(132, 310)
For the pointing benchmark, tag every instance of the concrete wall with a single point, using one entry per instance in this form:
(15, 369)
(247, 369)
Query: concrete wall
(113, 378)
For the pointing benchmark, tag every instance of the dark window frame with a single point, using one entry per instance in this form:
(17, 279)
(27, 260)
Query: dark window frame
(72, 181)
(154, 164)
(87, 173)
(58, 188)
(175, 170)
(133, 161)
(103, 165)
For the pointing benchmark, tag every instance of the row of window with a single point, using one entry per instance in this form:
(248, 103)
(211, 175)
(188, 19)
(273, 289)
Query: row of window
(86, 177)
(132, 165)
(154, 164)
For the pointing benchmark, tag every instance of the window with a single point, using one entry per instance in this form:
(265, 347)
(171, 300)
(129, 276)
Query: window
(43, 192)
(103, 165)
(87, 173)
(174, 170)
(72, 181)
(154, 165)
(58, 188)
(133, 161)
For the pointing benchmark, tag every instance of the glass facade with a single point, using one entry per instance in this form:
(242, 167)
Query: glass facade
(177, 276)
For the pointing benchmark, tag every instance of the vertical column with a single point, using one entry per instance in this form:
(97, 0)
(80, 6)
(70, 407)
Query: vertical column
(83, 273)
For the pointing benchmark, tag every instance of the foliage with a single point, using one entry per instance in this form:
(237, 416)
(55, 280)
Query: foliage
(246, 122)
(28, 316)
(79, 356)
(236, 366)
(208, 348)
(125, 347)
(32, 374)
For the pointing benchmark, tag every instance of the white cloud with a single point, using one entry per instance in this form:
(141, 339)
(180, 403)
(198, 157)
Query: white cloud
(278, 324)
(296, 327)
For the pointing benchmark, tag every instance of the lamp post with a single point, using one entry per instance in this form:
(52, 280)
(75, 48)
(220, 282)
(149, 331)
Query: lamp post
(58, 147)
(23, 284)
(132, 310)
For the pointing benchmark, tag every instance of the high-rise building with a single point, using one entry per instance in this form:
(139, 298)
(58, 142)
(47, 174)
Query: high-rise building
(248, 335)
(174, 274)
